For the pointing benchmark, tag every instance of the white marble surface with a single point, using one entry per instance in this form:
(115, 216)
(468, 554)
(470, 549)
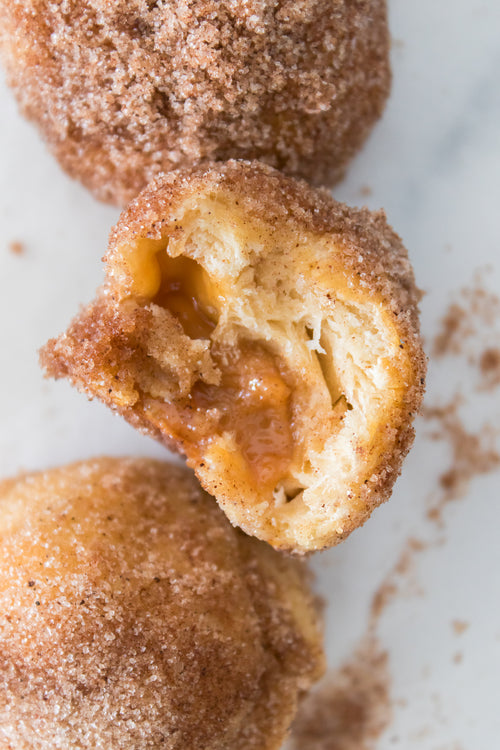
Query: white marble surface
(433, 163)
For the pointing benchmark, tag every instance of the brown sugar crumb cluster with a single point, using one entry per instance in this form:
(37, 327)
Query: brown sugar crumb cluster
(135, 616)
(122, 90)
(350, 708)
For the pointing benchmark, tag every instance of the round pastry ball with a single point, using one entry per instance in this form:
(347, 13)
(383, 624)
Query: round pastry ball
(269, 333)
(134, 616)
(122, 90)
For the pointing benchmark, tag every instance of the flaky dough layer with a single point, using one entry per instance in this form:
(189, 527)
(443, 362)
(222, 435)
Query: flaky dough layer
(134, 616)
(124, 89)
(269, 333)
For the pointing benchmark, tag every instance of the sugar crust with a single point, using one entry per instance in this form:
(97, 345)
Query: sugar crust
(134, 615)
(122, 90)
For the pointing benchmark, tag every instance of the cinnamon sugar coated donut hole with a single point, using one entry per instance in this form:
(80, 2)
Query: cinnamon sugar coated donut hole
(134, 616)
(124, 90)
(268, 333)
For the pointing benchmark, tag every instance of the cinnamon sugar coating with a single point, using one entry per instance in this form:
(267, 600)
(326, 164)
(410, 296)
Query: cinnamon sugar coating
(267, 332)
(134, 616)
(123, 90)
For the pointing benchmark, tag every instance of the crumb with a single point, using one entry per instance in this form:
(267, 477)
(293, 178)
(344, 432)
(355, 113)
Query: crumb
(351, 707)
(397, 44)
(458, 657)
(17, 248)
(489, 367)
(459, 626)
(365, 191)
(434, 514)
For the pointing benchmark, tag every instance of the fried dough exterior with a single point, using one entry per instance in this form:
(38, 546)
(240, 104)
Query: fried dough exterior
(135, 616)
(124, 89)
(326, 290)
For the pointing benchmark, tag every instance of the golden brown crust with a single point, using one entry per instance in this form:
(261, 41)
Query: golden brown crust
(307, 268)
(124, 90)
(134, 615)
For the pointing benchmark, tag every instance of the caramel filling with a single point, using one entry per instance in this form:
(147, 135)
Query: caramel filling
(252, 401)
(181, 291)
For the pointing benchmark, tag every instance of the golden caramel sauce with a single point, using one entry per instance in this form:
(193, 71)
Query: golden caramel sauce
(252, 401)
(183, 282)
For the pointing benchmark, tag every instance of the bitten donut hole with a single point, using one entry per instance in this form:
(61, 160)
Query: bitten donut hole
(255, 326)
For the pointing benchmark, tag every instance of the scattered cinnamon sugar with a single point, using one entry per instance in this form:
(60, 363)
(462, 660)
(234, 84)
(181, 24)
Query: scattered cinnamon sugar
(391, 585)
(467, 329)
(472, 454)
(489, 368)
(351, 707)
(383, 596)
(455, 326)
(397, 44)
(459, 626)
(405, 561)
(16, 247)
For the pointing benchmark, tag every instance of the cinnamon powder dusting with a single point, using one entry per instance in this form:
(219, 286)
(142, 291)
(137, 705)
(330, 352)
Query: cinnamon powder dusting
(455, 326)
(401, 577)
(459, 626)
(477, 308)
(351, 707)
(489, 367)
(472, 454)
(470, 328)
